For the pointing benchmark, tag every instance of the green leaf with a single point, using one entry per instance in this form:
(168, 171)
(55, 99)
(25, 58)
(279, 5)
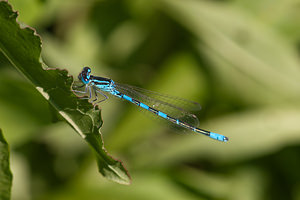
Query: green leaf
(5, 173)
(22, 46)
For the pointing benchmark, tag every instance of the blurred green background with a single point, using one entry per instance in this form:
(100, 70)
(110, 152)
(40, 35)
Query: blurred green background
(238, 58)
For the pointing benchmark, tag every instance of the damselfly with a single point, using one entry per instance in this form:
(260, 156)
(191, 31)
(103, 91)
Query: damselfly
(164, 106)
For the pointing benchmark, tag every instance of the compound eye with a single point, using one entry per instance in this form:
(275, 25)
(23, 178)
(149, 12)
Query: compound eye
(87, 69)
(84, 76)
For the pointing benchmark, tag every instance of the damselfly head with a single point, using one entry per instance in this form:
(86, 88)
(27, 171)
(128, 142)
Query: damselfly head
(84, 76)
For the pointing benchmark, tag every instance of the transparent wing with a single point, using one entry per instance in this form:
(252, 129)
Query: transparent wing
(176, 101)
(172, 106)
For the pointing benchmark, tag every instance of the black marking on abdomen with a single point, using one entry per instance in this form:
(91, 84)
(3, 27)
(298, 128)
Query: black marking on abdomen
(153, 110)
(171, 119)
(136, 102)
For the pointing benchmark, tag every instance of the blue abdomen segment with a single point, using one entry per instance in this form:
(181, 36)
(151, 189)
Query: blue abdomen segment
(127, 98)
(217, 136)
(144, 106)
(162, 114)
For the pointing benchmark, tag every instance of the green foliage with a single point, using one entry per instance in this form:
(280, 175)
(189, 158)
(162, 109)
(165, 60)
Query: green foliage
(5, 173)
(23, 50)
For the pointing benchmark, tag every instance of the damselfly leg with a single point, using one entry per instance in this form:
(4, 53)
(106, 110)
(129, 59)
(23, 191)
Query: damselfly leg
(75, 88)
(96, 100)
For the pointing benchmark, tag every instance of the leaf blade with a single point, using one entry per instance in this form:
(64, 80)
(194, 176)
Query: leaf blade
(5, 173)
(22, 46)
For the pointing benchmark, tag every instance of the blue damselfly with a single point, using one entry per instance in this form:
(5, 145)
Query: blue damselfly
(166, 107)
